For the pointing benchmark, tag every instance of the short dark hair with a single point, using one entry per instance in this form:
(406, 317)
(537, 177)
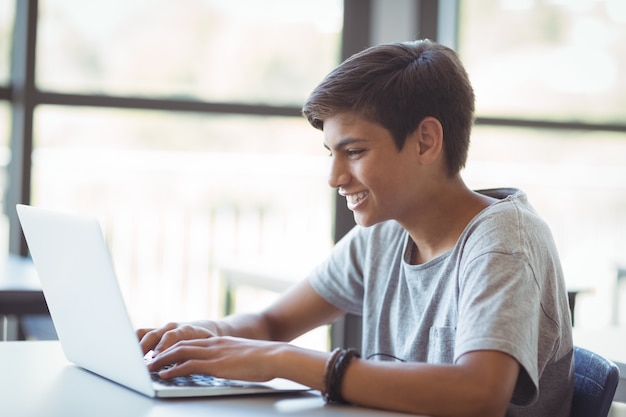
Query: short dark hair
(398, 85)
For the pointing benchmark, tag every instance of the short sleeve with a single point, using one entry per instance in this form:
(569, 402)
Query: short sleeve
(499, 309)
(339, 279)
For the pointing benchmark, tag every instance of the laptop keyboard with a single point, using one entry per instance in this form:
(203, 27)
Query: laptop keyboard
(195, 380)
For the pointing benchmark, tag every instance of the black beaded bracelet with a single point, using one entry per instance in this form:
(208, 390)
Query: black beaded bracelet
(335, 373)
(328, 370)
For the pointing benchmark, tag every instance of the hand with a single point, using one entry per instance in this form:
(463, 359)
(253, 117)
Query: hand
(222, 357)
(164, 337)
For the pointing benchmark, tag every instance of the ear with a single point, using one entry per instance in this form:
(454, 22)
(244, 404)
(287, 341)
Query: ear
(429, 139)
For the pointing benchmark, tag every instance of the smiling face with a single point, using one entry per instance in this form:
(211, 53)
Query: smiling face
(379, 182)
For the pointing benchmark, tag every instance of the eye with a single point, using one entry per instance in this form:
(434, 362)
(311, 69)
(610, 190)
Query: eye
(353, 153)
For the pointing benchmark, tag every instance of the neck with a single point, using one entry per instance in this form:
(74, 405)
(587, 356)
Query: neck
(440, 217)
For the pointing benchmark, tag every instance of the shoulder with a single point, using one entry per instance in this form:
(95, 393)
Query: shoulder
(512, 210)
(510, 224)
(511, 201)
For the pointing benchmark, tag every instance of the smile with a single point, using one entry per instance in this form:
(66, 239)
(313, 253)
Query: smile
(354, 199)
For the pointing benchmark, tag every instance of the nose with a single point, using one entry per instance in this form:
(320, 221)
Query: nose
(338, 176)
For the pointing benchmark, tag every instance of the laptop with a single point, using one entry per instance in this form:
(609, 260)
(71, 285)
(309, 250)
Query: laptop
(79, 283)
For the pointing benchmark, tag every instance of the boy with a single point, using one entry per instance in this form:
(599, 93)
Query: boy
(462, 295)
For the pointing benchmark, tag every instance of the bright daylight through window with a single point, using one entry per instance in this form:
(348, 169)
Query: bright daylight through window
(6, 27)
(557, 61)
(185, 196)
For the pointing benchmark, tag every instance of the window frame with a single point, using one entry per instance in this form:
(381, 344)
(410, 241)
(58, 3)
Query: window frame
(24, 96)
(437, 20)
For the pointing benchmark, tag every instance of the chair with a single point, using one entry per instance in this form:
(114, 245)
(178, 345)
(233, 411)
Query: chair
(595, 382)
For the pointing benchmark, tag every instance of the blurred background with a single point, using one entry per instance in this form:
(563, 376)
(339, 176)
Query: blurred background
(178, 125)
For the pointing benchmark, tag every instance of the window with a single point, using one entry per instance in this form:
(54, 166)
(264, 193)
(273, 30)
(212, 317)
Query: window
(184, 195)
(550, 99)
(6, 29)
(4, 161)
(180, 128)
(270, 52)
(547, 60)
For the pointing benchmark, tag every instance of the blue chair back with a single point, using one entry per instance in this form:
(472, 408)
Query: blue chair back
(595, 382)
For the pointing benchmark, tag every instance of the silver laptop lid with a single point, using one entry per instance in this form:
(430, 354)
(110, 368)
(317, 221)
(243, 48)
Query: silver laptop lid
(79, 283)
(86, 305)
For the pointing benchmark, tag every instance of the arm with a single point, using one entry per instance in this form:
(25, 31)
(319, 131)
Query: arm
(252, 348)
(298, 310)
(481, 383)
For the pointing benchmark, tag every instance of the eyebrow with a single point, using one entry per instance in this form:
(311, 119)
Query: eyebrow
(345, 142)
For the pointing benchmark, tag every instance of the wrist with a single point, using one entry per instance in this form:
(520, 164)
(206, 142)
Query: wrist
(280, 359)
(305, 366)
(335, 369)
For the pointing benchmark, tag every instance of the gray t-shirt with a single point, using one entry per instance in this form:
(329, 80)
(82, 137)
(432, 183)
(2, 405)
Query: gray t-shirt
(499, 288)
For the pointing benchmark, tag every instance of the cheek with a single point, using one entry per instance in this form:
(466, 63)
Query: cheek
(387, 176)
(394, 185)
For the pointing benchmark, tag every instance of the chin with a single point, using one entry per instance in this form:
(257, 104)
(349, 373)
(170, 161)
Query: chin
(365, 222)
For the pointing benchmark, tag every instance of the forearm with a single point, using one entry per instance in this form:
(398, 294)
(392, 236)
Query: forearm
(431, 390)
(297, 311)
(304, 366)
(479, 388)
(249, 325)
(418, 388)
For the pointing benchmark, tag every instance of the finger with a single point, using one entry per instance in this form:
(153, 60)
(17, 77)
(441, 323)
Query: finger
(186, 368)
(152, 338)
(168, 339)
(178, 355)
(183, 350)
(180, 333)
(141, 333)
(148, 341)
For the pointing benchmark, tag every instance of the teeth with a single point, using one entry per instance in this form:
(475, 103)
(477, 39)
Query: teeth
(355, 198)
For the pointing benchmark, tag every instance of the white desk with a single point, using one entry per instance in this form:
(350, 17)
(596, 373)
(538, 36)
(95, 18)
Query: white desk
(36, 381)
(609, 342)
